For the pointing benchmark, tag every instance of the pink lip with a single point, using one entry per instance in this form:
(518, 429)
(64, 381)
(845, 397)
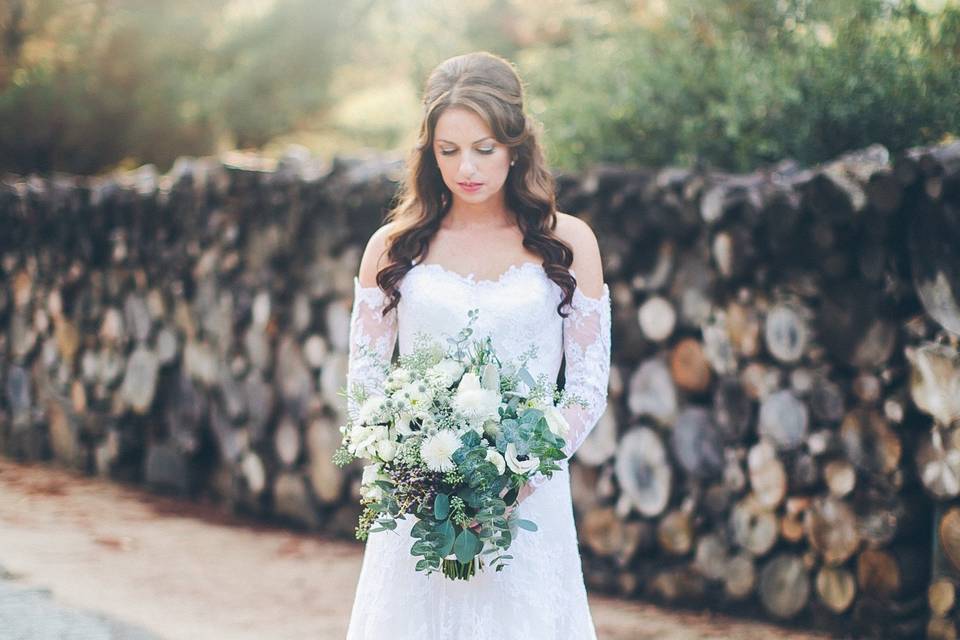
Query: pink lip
(470, 186)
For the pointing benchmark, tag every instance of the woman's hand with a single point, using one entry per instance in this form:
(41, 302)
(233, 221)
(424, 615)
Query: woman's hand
(525, 491)
(522, 495)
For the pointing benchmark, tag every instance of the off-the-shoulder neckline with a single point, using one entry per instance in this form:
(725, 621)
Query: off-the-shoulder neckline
(471, 281)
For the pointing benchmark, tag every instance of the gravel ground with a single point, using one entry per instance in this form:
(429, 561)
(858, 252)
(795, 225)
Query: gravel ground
(31, 613)
(91, 559)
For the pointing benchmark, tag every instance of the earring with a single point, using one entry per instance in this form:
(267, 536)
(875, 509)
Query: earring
(513, 162)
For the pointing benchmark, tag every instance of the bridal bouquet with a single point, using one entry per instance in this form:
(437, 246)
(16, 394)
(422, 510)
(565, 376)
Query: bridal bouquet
(451, 440)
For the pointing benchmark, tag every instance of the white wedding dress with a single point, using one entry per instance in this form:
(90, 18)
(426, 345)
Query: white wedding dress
(540, 594)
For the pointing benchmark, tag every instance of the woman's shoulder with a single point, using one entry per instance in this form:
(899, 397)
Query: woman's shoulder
(374, 255)
(586, 252)
(574, 231)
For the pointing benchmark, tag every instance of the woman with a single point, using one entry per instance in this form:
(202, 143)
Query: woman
(477, 227)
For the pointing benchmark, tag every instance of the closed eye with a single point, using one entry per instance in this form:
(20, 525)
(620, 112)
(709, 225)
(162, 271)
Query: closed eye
(450, 152)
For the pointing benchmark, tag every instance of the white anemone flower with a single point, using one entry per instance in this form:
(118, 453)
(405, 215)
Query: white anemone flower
(519, 466)
(474, 402)
(437, 450)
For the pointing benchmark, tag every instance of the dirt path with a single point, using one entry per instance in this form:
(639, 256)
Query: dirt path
(183, 570)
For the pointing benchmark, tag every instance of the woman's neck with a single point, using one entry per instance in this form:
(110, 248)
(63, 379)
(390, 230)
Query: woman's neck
(480, 216)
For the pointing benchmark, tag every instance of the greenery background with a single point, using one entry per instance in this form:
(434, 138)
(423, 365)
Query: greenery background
(87, 86)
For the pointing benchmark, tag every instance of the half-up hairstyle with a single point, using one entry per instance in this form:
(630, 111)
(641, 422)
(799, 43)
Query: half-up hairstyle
(489, 86)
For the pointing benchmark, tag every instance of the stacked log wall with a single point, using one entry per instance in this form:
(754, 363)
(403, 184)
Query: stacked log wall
(783, 430)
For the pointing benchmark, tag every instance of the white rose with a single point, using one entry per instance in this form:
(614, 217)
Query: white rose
(372, 473)
(386, 449)
(519, 466)
(358, 434)
(556, 421)
(474, 402)
(446, 372)
(494, 456)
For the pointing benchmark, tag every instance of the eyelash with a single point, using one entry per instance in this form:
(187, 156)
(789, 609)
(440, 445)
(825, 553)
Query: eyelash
(483, 151)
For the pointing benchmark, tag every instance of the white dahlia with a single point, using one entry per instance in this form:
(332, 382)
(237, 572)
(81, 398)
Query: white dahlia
(437, 450)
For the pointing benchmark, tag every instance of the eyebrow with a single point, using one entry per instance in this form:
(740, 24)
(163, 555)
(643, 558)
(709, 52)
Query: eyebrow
(474, 142)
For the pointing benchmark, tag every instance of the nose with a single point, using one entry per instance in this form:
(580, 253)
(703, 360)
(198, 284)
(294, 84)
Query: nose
(467, 167)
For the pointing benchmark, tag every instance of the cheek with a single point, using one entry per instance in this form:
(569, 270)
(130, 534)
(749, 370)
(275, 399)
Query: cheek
(498, 165)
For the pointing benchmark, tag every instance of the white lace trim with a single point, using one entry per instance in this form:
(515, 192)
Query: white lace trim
(372, 340)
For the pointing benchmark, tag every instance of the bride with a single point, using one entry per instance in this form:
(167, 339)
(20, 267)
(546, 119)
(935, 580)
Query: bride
(476, 227)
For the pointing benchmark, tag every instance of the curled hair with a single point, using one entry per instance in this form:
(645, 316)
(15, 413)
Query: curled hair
(489, 86)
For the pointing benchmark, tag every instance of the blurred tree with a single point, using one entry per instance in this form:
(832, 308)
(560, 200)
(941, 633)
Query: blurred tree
(736, 83)
(85, 85)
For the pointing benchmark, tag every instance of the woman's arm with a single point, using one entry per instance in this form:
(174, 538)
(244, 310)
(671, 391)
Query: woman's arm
(586, 338)
(372, 334)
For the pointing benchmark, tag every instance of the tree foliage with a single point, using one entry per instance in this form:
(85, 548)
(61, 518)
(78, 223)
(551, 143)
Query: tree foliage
(86, 84)
(737, 83)
(90, 84)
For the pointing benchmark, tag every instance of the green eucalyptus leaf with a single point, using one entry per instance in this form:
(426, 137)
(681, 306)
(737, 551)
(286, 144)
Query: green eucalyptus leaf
(532, 417)
(441, 506)
(465, 545)
(529, 525)
(420, 548)
(448, 535)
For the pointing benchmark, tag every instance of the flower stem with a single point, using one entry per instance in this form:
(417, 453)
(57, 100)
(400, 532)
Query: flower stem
(456, 570)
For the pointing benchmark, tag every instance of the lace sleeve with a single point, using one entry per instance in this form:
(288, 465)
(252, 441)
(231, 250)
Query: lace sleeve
(372, 340)
(586, 347)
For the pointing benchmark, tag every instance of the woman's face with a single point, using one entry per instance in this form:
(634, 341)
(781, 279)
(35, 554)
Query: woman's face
(467, 152)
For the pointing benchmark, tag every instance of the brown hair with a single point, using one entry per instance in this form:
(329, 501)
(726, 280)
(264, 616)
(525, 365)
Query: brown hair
(489, 86)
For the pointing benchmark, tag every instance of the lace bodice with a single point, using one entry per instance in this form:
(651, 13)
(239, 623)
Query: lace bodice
(517, 310)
